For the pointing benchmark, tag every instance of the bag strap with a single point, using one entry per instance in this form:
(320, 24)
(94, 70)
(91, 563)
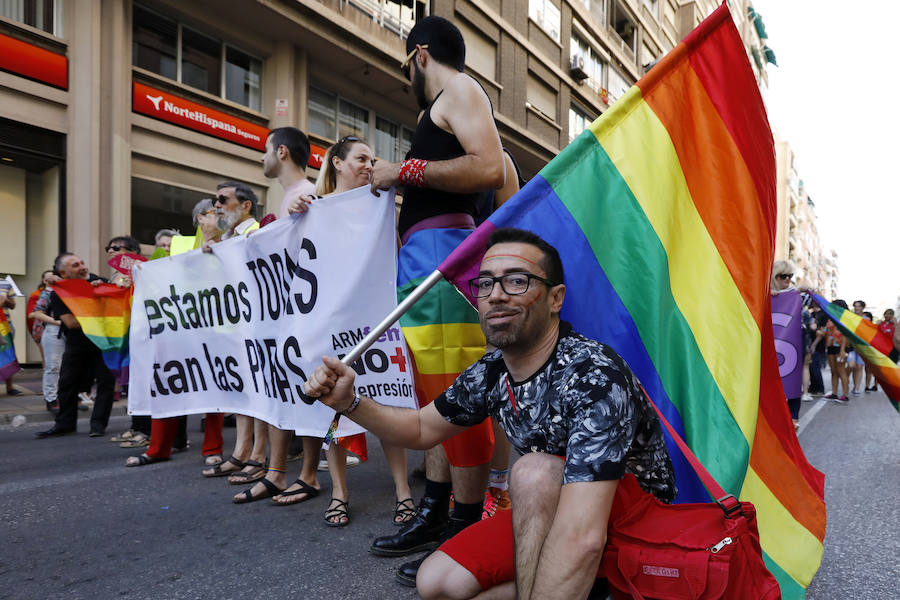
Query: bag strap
(726, 501)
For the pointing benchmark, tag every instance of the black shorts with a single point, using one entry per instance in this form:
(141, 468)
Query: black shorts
(833, 350)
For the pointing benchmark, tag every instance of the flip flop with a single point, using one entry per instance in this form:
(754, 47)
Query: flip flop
(138, 441)
(212, 460)
(217, 469)
(244, 477)
(337, 509)
(305, 488)
(143, 459)
(247, 495)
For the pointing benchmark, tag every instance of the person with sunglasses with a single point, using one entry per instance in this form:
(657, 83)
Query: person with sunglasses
(782, 281)
(455, 155)
(569, 405)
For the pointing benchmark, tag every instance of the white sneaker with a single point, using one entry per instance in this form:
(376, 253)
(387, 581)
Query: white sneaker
(807, 397)
(86, 399)
(352, 461)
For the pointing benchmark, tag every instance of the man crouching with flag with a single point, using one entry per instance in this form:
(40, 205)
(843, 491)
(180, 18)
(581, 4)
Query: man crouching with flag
(569, 405)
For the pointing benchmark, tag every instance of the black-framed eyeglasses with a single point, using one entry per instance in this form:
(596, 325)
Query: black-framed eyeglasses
(404, 66)
(512, 284)
(115, 247)
(784, 276)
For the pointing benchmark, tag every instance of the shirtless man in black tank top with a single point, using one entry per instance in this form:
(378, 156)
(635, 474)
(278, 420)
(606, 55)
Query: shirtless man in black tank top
(455, 156)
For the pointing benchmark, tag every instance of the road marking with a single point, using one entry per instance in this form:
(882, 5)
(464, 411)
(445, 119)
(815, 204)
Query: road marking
(810, 415)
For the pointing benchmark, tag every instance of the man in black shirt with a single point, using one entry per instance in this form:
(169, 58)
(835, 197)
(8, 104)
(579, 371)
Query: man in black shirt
(82, 360)
(568, 404)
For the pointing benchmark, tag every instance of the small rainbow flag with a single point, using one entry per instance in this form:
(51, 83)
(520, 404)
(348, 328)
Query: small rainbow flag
(9, 365)
(874, 346)
(663, 212)
(104, 313)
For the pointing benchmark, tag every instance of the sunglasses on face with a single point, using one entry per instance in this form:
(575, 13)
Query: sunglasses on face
(220, 199)
(115, 247)
(404, 66)
(784, 276)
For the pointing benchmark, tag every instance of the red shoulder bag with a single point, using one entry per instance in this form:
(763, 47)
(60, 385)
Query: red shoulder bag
(684, 551)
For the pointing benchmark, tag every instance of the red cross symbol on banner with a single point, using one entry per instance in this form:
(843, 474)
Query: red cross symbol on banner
(398, 359)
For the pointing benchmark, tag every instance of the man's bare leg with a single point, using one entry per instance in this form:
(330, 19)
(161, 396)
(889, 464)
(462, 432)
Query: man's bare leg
(441, 577)
(308, 471)
(242, 445)
(534, 487)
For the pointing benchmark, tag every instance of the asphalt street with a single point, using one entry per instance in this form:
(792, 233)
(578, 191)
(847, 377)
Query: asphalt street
(77, 524)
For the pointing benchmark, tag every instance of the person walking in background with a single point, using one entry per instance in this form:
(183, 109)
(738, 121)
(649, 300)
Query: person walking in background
(817, 351)
(8, 363)
(836, 351)
(782, 274)
(35, 326)
(855, 364)
(51, 340)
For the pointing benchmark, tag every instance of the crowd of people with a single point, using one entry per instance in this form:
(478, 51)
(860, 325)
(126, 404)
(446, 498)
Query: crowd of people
(824, 344)
(568, 404)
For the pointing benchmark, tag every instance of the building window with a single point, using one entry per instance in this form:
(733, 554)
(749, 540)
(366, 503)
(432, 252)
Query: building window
(653, 7)
(45, 15)
(618, 84)
(201, 65)
(397, 17)
(168, 48)
(481, 51)
(593, 64)
(624, 27)
(579, 120)
(541, 97)
(243, 77)
(597, 8)
(332, 117)
(546, 15)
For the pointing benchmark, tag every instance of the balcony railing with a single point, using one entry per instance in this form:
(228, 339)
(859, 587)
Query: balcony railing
(390, 14)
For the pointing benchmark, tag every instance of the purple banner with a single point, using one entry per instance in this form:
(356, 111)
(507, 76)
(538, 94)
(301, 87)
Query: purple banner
(787, 324)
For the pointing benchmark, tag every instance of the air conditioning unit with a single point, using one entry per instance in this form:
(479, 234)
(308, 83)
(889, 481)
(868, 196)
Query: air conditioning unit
(576, 68)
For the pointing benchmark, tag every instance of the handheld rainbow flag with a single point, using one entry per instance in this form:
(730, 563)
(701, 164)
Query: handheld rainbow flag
(875, 347)
(663, 212)
(9, 365)
(104, 313)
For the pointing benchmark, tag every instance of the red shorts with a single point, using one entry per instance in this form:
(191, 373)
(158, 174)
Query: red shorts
(472, 447)
(486, 549)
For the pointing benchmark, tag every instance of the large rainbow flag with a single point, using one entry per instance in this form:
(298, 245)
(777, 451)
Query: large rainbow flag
(874, 346)
(104, 313)
(664, 214)
(9, 365)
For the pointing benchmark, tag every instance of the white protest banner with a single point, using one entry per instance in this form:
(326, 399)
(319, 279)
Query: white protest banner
(240, 329)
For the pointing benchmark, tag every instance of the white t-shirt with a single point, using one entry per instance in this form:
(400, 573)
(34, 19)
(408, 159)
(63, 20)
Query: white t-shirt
(302, 188)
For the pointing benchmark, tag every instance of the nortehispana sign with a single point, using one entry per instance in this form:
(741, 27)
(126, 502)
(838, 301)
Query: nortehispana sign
(239, 330)
(185, 113)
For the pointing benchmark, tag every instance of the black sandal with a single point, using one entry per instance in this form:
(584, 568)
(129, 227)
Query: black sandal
(305, 488)
(255, 474)
(337, 509)
(247, 495)
(406, 510)
(217, 469)
(143, 459)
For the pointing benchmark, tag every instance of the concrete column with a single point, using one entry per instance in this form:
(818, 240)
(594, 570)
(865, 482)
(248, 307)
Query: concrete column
(115, 125)
(84, 213)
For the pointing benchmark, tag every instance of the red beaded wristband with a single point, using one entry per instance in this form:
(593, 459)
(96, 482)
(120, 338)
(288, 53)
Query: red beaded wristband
(412, 172)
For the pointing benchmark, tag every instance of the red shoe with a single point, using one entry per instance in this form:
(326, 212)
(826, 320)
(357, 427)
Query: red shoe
(495, 500)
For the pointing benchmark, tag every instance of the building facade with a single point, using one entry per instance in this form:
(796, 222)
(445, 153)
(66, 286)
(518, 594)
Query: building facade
(116, 116)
